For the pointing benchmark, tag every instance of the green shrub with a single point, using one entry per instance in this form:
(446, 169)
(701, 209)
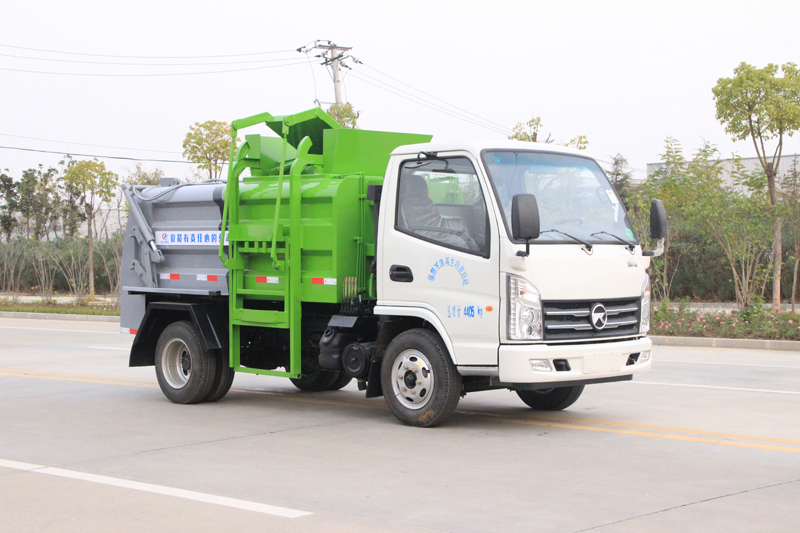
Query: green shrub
(756, 322)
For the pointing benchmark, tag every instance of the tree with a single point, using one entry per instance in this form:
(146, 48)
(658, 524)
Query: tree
(70, 209)
(208, 144)
(140, 176)
(47, 203)
(38, 201)
(736, 217)
(96, 185)
(529, 132)
(12, 267)
(790, 188)
(9, 197)
(697, 197)
(620, 177)
(345, 115)
(758, 104)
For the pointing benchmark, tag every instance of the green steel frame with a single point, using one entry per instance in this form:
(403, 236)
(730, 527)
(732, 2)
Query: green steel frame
(291, 317)
(328, 169)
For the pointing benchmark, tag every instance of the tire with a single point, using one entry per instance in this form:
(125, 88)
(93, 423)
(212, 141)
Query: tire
(418, 358)
(316, 380)
(223, 377)
(184, 368)
(551, 399)
(341, 381)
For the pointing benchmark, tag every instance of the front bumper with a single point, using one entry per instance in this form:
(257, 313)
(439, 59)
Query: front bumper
(586, 361)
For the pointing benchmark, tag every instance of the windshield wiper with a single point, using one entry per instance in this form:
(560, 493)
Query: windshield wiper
(629, 245)
(584, 243)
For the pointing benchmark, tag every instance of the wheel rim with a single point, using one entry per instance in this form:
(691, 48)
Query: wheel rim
(412, 379)
(176, 363)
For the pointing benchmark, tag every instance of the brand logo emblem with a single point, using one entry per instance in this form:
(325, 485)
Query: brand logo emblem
(599, 317)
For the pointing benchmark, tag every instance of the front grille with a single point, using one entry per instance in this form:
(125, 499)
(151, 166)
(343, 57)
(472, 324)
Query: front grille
(569, 320)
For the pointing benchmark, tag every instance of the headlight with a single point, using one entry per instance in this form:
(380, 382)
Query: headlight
(644, 325)
(524, 310)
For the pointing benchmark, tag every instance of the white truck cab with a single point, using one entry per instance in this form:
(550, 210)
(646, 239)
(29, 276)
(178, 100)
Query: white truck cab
(567, 306)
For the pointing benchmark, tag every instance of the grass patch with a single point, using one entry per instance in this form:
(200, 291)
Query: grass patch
(754, 323)
(61, 309)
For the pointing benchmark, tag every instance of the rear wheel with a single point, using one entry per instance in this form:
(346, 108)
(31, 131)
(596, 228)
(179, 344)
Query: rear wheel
(420, 382)
(551, 399)
(341, 381)
(223, 378)
(184, 368)
(314, 378)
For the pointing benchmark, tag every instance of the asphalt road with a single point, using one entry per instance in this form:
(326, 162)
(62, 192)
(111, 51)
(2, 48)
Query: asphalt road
(709, 440)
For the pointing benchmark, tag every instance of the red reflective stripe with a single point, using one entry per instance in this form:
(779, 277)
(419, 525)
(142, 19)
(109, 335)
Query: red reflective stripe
(260, 279)
(212, 278)
(134, 331)
(318, 281)
(174, 276)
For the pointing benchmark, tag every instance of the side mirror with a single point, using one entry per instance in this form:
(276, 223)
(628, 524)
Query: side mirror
(658, 220)
(524, 220)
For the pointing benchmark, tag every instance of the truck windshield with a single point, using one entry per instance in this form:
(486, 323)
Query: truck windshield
(573, 194)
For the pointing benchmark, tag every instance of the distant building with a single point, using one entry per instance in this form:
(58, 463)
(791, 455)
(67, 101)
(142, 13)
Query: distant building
(107, 221)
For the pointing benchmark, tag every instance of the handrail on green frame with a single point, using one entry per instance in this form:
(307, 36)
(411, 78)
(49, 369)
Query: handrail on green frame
(231, 189)
(273, 254)
(292, 132)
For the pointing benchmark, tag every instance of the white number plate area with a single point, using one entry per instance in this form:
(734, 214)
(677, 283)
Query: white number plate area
(601, 362)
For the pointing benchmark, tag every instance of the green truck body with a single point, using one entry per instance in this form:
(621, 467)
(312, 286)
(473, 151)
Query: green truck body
(312, 242)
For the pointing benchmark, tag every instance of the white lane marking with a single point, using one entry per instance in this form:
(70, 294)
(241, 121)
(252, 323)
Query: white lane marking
(16, 465)
(729, 364)
(67, 330)
(157, 489)
(715, 387)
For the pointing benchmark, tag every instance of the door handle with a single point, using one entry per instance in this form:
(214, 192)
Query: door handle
(401, 273)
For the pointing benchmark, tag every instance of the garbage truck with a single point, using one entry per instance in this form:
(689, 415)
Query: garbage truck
(422, 270)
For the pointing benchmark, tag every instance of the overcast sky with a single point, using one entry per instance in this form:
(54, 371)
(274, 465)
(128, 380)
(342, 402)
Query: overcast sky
(625, 74)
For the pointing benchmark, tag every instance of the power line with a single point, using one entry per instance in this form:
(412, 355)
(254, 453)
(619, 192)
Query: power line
(144, 64)
(152, 75)
(143, 57)
(95, 155)
(431, 96)
(87, 144)
(333, 56)
(430, 105)
(314, 79)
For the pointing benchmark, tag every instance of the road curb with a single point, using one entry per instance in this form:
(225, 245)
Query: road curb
(707, 342)
(57, 316)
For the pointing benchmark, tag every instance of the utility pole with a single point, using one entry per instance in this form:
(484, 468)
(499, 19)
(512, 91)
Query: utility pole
(333, 56)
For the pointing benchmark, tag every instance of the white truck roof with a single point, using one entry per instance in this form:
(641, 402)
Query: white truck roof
(475, 147)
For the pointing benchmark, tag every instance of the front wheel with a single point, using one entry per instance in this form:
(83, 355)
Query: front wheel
(551, 399)
(420, 382)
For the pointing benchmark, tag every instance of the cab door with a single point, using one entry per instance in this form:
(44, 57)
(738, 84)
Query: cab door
(438, 250)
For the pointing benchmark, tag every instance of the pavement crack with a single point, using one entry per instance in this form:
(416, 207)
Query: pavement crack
(689, 504)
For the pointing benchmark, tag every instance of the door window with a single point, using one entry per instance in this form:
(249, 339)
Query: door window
(441, 201)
